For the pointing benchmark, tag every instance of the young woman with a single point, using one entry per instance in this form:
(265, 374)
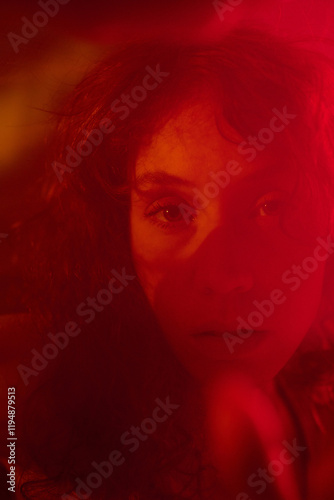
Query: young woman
(184, 272)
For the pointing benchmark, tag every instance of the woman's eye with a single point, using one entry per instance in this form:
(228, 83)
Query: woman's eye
(170, 214)
(270, 205)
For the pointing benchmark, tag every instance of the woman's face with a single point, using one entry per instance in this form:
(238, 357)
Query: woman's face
(230, 289)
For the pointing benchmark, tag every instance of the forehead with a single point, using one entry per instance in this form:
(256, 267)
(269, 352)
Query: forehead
(190, 146)
(189, 143)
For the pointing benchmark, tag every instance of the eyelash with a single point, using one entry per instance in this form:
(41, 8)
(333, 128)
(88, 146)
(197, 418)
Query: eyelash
(159, 207)
(274, 197)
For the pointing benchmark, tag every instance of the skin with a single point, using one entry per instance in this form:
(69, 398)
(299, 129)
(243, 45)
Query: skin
(205, 273)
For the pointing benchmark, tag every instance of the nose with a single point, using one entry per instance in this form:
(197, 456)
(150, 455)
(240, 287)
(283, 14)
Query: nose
(222, 264)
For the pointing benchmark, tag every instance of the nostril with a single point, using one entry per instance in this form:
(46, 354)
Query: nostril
(225, 283)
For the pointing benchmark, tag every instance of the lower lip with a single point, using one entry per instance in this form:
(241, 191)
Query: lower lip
(221, 347)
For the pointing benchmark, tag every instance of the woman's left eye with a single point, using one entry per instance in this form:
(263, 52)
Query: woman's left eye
(270, 205)
(170, 214)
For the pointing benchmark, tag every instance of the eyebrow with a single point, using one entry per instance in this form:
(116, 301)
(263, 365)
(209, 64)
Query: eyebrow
(161, 178)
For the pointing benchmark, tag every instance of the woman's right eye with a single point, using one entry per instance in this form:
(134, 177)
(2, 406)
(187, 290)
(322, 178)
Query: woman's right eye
(169, 213)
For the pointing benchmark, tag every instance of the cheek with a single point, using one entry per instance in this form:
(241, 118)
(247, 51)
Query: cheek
(149, 260)
(160, 262)
(162, 279)
(303, 290)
